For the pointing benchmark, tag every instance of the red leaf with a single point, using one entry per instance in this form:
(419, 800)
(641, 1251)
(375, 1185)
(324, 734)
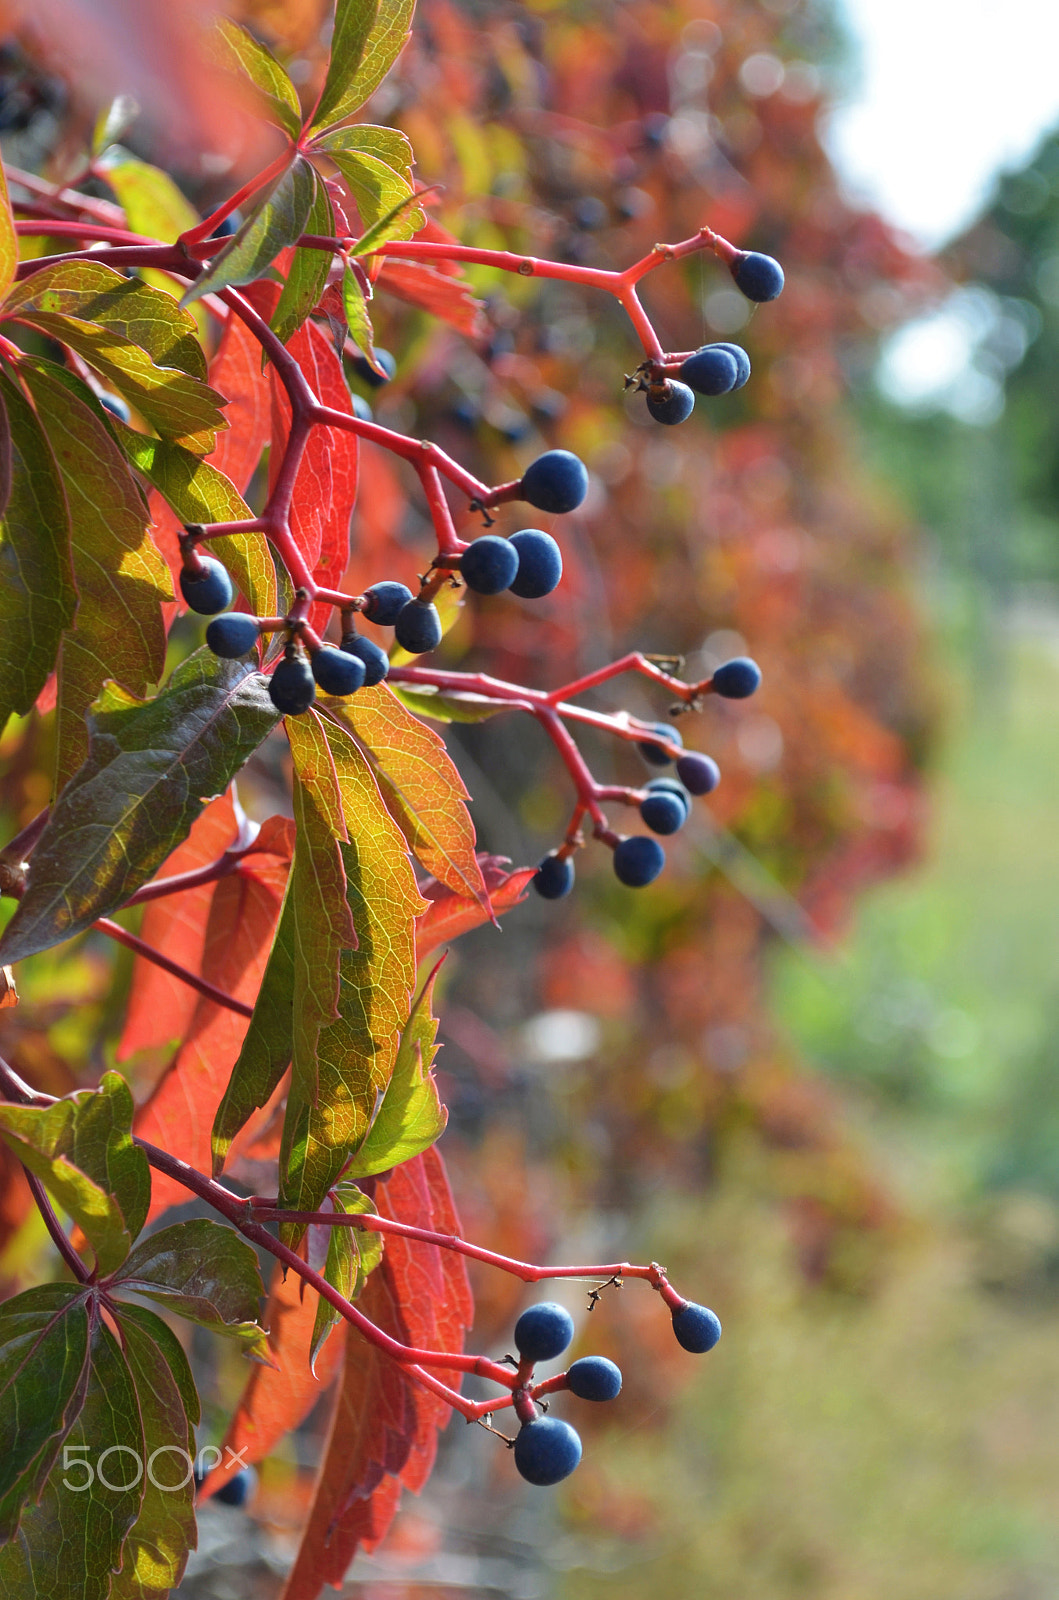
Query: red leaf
(384, 1430)
(160, 1006)
(325, 490)
(450, 914)
(242, 921)
(276, 1399)
(437, 292)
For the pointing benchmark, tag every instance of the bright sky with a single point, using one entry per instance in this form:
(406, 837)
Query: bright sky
(951, 91)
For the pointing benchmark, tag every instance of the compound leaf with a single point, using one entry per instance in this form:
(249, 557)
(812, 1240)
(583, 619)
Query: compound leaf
(240, 51)
(81, 1149)
(151, 767)
(277, 223)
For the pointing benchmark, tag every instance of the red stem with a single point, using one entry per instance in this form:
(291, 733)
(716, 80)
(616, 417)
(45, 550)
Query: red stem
(51, 1222)
(195, 237)
(122, 936)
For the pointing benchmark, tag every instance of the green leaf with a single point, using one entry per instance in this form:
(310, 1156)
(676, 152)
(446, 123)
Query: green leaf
(8, 237)
(136, 337)
(37, 594)
(151, 767)
(411, 1116)
(356, 1053)
(43, 1375)
(307, 278)
(121, 577)
(240, 51)
(68, 1546)
(386, 144)
(113, 121)
(351, 1256)
(369, 36)
(387, 202)
(428, 702)
(269, 1042)
(355, 305)
(277, 223)
(205, 1272)
(156, 1548)
(198, 492)
(81, 1149)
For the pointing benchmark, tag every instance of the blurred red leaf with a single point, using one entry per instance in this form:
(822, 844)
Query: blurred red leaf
(450, 914)
(437, 292)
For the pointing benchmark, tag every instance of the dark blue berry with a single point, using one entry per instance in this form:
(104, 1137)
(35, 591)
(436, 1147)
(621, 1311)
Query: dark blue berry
(696, 1328)
(540, 564)
(556, 481)
(638, 861)
(759, 277)
(237, 1490)
(232, 635)
(231, 224)
(115, 405)
(554, 878)
(699, 774)
(594, 1378)
(674, 404)
(653, 752)
(711, 370)
(361, 409)
(741, 359)
(418, 627)
(208, 591)
(489, 565)
(337, 671)
(546, 1451)
(543, 1331)
(664, 812)
(292, 687)
(376, 662)
(591, 213)
(383, 603)
(737, 679)
(374, 375)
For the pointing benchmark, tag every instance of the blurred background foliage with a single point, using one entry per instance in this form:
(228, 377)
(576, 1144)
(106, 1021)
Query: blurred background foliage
(812, 1068)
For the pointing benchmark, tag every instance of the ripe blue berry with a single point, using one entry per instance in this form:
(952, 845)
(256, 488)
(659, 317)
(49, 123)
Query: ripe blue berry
(361, 409)
(759, 277)
(369, 373)
(664, 812)
(337, 671)
(696, 1328)
(554, 878)
(737, 679)
(489, 564)
(231, 224)
(232, 635)
(376, 662)
(711, 370)
(742, 361)
(115, 405)
(383, 603)
(546, 1451)
(540, 564)
(208, 591)
(237, 1490)
(556, 481)
(653, 752)
(699, 774)
(594, 1378)
(543, 1331)
(674, 404)
(292, 687)
(418, 627)
(638, 861)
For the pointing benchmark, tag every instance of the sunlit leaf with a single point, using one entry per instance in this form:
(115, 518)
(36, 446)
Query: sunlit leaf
(448, 915)
(389, 145)
(368, 37)
(276, 224)
(352, 1253)
(444, 296)
(411, 1116)
(386, 201)
(37, 594)
(239, 50)
(154, 207)
(203, 1271)
(8, 237)
(151, 766)
(439, 706)
(113, 121)
(81, 1149)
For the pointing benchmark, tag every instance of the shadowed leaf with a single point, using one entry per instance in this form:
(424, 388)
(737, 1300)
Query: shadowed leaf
(275, 225)
(352, 1253)
(205, 1272)
(150, 768)
(43, 1373)
(307, 277)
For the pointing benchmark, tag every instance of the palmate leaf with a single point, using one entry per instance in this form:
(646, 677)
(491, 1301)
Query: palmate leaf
(241, 52)
(151, 767)
(135, 336)
(352, 1253)
(127, 1421)
(82, 1151)
(204, 1271)
(38, 598)
(277, 223)
(410, 1117)
(368, 37)
(121, 578)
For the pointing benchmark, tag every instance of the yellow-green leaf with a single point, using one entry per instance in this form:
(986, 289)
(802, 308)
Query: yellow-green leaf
(352, 1254)
(241, 52)
(368, 37)
(386, 201)
(411, 1116)
(8, 237)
